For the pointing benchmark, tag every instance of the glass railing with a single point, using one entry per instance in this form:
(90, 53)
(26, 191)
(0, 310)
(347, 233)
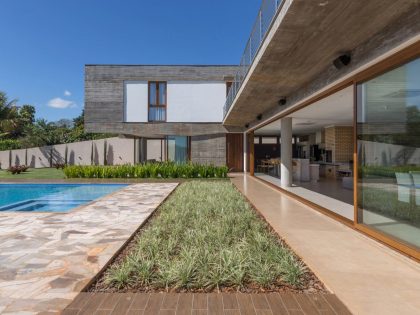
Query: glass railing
(266, 14)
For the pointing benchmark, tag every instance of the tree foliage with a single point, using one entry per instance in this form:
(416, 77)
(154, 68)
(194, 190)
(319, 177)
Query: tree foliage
(20, 129)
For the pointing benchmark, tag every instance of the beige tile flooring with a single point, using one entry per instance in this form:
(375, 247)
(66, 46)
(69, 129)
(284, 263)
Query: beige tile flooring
(46, 259)
(367, 276)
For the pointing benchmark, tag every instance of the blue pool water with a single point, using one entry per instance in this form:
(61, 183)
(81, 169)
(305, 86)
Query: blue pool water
(51, 197)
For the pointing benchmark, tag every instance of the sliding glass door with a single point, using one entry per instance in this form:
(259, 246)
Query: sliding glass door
(388, 143)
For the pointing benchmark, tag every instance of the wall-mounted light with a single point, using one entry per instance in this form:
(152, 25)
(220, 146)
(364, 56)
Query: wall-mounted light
(282, 101)
(342, 61)
(259, 117)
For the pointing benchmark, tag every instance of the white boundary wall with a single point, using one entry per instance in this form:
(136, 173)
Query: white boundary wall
(18, 157)
(79, 153)
(111, 151)
(39, 157)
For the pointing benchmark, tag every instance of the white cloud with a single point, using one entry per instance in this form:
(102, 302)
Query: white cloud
(60, 103)
(67, 93)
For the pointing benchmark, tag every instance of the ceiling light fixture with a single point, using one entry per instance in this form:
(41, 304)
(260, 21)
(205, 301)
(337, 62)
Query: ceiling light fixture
(342, 60)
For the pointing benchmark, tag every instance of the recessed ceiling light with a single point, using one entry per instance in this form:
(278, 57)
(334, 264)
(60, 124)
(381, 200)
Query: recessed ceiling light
(323, 4)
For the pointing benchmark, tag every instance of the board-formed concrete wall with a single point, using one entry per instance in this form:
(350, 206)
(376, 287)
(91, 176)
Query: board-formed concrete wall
(120, 151)
(79, 153)
(98, 153)
(18, 157)
(58, 153)
(39, 157)
(4, 160)
(209, 149)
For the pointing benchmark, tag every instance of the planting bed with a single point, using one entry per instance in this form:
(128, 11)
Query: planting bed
(206, 237)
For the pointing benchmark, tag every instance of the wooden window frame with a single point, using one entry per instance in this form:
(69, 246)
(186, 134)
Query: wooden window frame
(158, 103)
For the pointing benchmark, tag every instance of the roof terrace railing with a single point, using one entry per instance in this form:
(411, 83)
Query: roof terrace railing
(261, 26)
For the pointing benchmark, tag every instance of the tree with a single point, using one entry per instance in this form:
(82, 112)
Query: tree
(8, 116)
(27, 115)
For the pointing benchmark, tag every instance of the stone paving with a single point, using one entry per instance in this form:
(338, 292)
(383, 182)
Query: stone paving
(47, 259)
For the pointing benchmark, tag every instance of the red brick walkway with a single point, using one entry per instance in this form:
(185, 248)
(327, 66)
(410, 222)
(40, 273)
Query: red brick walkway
(203, 304)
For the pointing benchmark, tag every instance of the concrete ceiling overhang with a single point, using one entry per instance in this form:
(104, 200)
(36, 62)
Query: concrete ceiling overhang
(304, 41)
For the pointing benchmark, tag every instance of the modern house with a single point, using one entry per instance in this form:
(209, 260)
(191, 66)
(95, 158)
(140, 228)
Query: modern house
(174, 112)
(324, 105)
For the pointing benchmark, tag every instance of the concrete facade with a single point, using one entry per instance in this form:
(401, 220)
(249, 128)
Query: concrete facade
(292, 64)
(116, 101)
(209, 149)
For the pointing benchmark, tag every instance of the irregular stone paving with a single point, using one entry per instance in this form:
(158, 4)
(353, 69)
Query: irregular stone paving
(47, 259)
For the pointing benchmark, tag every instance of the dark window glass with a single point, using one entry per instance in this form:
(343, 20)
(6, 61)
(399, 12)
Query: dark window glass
(178, 149)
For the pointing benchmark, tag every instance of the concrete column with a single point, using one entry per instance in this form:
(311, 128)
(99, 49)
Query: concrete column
(286, 171)
(245, 150)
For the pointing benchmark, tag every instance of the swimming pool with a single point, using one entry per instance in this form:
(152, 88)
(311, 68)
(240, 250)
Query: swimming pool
(51, 197)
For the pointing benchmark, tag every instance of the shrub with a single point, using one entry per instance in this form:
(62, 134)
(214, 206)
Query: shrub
(17, 169)
(147, 170)
(9, 144)
(59, 165)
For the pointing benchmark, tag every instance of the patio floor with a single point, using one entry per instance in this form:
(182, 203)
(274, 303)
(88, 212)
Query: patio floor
(47, 259)
(368, 277)
(205, 304)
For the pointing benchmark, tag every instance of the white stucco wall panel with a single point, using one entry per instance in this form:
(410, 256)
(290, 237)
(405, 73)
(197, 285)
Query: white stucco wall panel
(98, 155)
(79, 153)
(136, 101)
(58, 153)
(195, 101)
(18, 157)
(39, 157)
(4, 160)
(119, 151)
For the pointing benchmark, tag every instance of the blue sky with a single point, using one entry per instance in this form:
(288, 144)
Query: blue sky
(46, 43)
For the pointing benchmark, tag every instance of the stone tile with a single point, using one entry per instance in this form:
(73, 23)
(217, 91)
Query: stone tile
(46, 259)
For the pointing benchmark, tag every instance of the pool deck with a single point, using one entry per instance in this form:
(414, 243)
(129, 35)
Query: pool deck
(46, 259)
(368, 277)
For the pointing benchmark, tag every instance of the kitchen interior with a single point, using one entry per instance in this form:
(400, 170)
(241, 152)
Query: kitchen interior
(322, 152)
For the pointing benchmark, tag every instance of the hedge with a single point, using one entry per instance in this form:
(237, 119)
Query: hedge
(9, 144)
(147, 170)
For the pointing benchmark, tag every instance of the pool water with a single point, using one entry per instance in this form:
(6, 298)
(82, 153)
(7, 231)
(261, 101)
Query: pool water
(51, 197)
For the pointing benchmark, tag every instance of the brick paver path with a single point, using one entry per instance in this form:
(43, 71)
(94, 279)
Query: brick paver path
(203, 304)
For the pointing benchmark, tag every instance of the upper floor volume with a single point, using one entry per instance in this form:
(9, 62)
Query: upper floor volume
(120, 98)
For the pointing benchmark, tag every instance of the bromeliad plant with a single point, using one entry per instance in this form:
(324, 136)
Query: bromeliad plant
(205, 237)
(147, 170)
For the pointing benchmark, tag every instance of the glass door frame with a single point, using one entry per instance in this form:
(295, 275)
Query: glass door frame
(398, 59)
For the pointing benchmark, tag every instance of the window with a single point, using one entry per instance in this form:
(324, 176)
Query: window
(269, 140)
(178, 149)
(388, 140)
(157, 101)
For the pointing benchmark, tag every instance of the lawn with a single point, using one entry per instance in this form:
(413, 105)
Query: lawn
(206, 237)
(34, 173)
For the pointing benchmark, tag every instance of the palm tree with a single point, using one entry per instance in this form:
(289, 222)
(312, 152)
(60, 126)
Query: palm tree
(9, 116)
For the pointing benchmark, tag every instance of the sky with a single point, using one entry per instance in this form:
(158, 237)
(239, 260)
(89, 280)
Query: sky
(44, 44)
